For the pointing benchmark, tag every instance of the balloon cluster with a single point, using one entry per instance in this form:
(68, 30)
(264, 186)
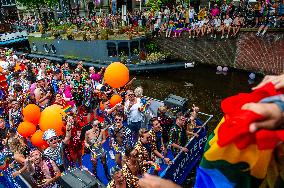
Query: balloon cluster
(50, 118)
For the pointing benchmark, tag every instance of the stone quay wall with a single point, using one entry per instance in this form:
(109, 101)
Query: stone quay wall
(246, 52)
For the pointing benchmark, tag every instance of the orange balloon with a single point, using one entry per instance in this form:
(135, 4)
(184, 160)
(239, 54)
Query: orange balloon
(31, 113)
(17, 67)
(37, 140)
(102, 107)
(51, 118)
(115, 99)
(26, 129)
(1, 69)
(116, 75)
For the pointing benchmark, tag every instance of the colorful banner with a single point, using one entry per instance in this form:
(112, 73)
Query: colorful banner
(185, 162)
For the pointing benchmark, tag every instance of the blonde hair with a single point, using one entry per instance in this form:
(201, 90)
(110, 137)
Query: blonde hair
(138, 92)
(16, 144)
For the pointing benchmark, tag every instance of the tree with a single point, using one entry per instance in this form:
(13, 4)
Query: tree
(38, 4)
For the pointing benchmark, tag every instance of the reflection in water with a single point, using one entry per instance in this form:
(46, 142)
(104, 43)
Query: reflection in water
(200, 85)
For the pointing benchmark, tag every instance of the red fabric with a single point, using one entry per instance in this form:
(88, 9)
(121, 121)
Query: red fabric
(235, 128)
(234, 103)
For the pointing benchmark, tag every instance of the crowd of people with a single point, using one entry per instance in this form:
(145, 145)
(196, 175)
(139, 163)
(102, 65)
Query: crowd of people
(136, 139)
(222, 18)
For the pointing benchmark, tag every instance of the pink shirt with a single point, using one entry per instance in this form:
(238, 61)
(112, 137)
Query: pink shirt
(215, 11)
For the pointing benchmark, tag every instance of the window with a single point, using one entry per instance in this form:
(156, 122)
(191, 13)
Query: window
(134, 47)
(123, 48)
(111, 48)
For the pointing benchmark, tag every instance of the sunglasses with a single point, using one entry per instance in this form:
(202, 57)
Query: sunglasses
(52, 139)
(118, 119)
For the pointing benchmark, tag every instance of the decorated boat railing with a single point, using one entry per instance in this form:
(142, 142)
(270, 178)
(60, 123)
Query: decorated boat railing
(9, 38)
(184, 163)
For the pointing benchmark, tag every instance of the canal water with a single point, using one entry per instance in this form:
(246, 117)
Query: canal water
(200, 85)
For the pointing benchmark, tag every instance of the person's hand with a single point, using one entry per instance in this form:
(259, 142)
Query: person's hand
(184, 149)
(273, 117)
(46, 182)
(277, 81)
(149, 181)
(15, 174)
(167, 161)
(48, 94)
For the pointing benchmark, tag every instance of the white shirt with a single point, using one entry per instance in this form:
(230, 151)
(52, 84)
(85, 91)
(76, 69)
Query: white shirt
(217, 22)
(228, 21)
(133, 114)
(191, 13)
(200, 23)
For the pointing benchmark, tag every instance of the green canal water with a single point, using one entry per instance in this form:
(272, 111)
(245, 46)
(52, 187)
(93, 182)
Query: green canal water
(200, 85)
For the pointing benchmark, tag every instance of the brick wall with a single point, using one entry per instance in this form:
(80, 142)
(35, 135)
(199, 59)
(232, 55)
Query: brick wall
(247, 51)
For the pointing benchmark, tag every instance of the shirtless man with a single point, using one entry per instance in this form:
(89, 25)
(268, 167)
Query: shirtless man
(42, 95)
(44, 171)
(94, 138)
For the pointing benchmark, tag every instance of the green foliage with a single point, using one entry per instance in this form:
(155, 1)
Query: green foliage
(154, 4)
(31, 4)
(151, 47)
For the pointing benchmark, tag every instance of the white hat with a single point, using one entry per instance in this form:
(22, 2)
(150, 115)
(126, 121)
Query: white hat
(49, 134)
(38, 78)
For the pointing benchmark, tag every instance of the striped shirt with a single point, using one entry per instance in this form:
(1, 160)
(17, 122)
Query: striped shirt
(55, 154)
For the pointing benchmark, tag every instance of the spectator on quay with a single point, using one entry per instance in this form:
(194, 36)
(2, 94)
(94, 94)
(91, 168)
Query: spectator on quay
(191, 30)
(224, 8)
(268, 22)
(169, 30)
(156, 29)
(237, 23)
(257, 13)
(217, 26)
(226, 26)
(191, 13)
(215, 11)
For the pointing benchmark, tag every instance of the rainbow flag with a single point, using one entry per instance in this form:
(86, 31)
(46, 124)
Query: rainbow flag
(67, 108)
(234, 157)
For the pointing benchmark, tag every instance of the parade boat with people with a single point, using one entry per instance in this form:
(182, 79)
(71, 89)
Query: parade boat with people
(62, 124)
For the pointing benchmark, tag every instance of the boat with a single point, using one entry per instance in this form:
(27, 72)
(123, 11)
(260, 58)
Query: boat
(181, 165)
